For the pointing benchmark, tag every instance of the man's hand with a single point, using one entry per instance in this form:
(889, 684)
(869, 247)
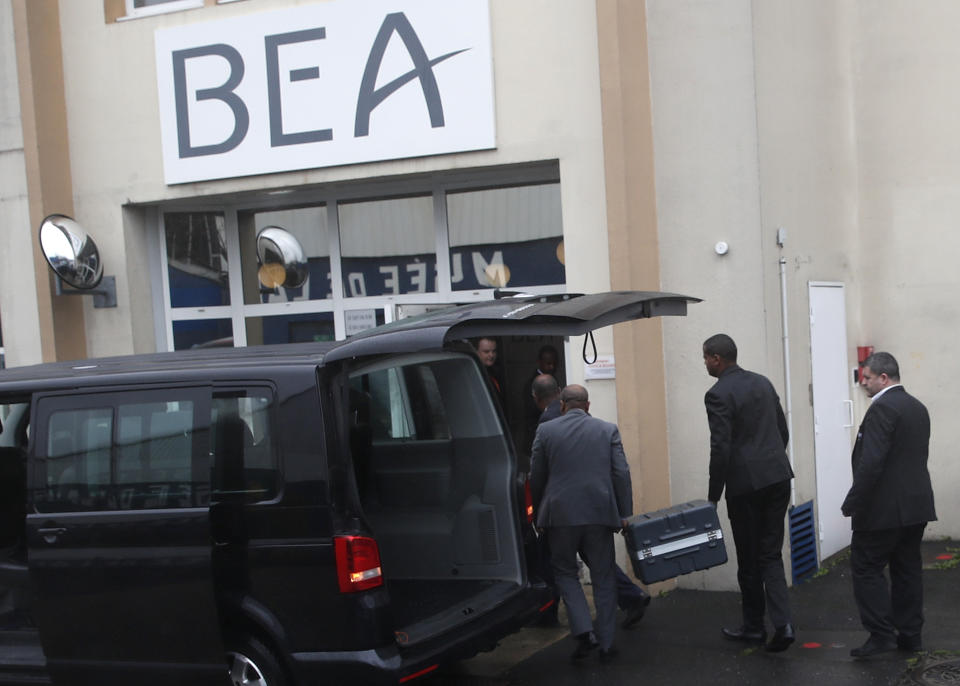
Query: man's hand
(714, 503)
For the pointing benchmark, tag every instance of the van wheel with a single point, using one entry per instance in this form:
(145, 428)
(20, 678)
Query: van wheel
(253, 664)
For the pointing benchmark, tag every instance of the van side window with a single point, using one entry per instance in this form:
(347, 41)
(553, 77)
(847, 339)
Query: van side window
(245, 461)
(128, 453)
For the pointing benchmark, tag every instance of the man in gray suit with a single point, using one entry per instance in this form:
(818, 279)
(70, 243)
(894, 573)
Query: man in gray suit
(582, 495)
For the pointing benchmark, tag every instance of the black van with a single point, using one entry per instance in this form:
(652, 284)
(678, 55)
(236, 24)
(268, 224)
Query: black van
(303, 514)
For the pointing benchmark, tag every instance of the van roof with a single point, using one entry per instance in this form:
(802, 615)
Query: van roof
(562, 314)
(159, 364)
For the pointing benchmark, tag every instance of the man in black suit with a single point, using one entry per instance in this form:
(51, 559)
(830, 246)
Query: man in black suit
(547, 359)
(890, 503)
(748, 437)
(486, 349)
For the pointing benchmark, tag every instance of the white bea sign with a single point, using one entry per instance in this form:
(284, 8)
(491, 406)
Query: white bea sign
(338, 82)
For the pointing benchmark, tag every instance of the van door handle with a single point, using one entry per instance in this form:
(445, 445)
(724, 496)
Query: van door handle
(51, 533)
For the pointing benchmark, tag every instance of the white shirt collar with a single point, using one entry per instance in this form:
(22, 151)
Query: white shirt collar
(884, 391)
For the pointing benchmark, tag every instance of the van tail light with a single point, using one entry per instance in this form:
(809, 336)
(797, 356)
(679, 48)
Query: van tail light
(358, 563)
(528, 501)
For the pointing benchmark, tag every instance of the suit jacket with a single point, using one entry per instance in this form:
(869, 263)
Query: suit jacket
(551, 411)
(891, 484)
(579, 474)
(748, 434)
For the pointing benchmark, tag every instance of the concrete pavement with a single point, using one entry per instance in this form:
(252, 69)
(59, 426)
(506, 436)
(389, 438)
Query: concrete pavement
(679, 641)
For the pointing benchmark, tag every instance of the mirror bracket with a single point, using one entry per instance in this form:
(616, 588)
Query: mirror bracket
(104, 295)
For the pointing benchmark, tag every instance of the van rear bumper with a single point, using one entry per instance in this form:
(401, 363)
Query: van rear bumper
(481, 634)
(378, 666)
(388, 665)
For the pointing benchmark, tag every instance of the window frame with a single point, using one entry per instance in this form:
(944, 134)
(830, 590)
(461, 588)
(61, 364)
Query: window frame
(437, 185)
(166, 7)
(48, 404)
(247, 390)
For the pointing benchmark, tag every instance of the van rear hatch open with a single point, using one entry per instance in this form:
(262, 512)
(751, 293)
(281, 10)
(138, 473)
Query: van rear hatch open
(436, 472)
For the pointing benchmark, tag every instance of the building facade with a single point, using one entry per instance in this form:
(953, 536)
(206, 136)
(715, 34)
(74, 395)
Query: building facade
(790, 164)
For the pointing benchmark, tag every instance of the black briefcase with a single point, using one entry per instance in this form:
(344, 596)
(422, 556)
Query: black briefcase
(675, 540)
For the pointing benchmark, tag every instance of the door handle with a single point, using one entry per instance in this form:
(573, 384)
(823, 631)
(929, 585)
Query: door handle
(849, 404)
(51, 533)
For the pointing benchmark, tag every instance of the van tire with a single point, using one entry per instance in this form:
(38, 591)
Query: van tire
(251, 663)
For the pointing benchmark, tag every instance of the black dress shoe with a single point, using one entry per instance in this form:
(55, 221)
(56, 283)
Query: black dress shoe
(782, 638)
(909, 644)
(874, 646)
(586, 644)
(745, 634)
(635, 613)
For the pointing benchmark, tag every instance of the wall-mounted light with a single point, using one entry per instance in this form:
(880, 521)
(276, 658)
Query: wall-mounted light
(73, 256)
(721, 248)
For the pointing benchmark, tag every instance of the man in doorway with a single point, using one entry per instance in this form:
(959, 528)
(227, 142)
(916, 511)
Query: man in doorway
(631, 598)
(890, 503)
(486, 349)
(748, 437)
(547, 358)
(582, 494)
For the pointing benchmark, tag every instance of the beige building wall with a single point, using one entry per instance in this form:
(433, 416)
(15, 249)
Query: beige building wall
(908, 148)
(18, 306)
(36, 182)
(547, 96)
(833, 121)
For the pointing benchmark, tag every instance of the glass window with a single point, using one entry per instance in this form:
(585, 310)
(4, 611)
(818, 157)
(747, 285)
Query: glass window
(389, 235)
(202, 333)
(144, 8)
(506, 237)
(290, 328)
(308, 225)
(388, 247)
(197, 259)
(123, 456)
(246, 464)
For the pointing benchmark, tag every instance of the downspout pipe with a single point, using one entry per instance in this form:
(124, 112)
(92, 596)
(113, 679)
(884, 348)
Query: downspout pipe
(787, 390)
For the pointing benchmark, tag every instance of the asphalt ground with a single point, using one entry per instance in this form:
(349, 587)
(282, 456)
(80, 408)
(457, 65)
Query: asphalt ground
(679, 641)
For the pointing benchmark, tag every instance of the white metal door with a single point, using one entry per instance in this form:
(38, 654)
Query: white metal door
(832, 412)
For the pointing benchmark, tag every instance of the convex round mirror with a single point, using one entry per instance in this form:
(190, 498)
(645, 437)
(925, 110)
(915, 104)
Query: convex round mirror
(282, 261)
(70, 252)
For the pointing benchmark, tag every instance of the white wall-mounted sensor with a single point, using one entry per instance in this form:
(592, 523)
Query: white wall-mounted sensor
(721, 248)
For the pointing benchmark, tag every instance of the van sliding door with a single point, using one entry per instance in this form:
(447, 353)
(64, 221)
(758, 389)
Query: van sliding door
(119, 537)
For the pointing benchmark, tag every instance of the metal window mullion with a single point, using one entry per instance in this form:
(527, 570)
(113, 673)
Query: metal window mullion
(165, 281)
(180, 314)
(287, 308)
(235, 277)
(336, 269)
(442, 286)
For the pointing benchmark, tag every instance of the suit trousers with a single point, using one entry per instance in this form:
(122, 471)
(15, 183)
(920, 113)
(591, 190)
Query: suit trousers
(628, 593)
(897, 609)
(756, 519)
(594, 543)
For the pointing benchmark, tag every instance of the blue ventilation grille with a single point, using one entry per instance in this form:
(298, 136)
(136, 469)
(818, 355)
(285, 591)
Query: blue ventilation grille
(803, 542)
